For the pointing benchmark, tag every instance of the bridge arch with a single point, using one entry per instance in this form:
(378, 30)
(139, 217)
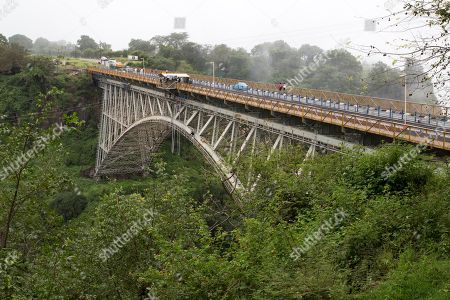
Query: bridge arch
(163, 125)
(135, 121)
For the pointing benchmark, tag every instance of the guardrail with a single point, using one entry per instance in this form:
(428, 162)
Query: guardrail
(386, 104)
(413, 108)
(415, 133)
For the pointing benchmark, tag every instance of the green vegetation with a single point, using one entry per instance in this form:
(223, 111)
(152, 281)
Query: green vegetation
(78, 63)
(69, 204)
(181, 235)
(392, 244)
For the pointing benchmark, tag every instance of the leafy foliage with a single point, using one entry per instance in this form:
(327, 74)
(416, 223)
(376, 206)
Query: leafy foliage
(198, 242)
(21, 40)
(390, 244)
(69, 204)
(12, 58)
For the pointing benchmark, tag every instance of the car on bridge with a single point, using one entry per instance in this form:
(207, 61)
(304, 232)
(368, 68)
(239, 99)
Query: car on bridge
(240, 86)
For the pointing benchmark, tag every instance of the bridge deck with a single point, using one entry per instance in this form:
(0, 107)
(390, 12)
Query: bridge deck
(435, 135)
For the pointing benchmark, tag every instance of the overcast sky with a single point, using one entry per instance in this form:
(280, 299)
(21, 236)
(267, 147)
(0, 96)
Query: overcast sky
(243, 23)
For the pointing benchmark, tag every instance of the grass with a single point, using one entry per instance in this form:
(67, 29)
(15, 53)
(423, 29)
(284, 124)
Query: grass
(79, 63)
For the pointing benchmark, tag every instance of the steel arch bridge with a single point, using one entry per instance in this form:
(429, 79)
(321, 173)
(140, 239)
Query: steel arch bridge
(135, 120)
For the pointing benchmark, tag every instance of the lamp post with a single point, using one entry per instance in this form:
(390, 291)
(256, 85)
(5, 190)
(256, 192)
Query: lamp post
(213, 71)
(405, 99)
(143, 65)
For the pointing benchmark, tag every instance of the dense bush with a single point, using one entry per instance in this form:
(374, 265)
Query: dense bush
(81, 147)
(392, 243)
(69, 204)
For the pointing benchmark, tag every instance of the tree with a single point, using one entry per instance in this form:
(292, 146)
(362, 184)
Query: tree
(341, 72)
(173, 40)
(285, 60)
(69, 204)
(275, 61)
(384, 82)
(26, 178)
(419, 86)
(261, 64)
(220, 54)
(170, 46)
(41, 46)
(141, 45)
(3, 40)
(104, 47)
(90, 53)
(308, 52)
(162, 63)
(233, 63)
(76, 53)
(16, 91)
(429, 47)
(61, 47)
(239, 64)
(21, 40)
(194, 54)
(12, 58)
(86, 42)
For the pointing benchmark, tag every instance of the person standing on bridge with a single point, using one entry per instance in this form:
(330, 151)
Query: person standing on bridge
(279, 86)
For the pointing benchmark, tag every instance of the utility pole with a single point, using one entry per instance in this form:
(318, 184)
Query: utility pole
(213, 71)
(405, 100)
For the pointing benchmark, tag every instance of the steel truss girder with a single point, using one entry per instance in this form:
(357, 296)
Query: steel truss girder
(435, 137)
(136, 120)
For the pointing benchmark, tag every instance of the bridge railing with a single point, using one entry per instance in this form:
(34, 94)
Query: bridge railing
(132, 76)
(433, 137)
(412, 132)
(412, 108)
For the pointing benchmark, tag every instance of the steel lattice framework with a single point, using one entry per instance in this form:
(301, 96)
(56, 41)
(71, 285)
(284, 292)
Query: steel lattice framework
(136, 120)
(435, 137)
